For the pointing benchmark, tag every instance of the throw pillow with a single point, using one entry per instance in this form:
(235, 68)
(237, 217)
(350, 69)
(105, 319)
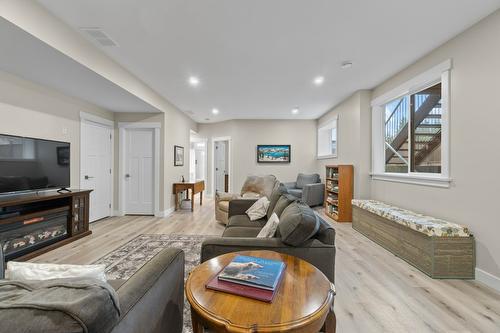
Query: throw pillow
(282, 203)
(259, 209)
(298, 223)
(32, 271)
(269, 230)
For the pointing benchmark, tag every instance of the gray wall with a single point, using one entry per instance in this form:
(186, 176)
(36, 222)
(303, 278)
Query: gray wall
(247, 134)
(473, 196)
(354, 137)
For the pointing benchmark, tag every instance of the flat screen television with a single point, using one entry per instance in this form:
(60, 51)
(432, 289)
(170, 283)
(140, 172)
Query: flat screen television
(29, 164)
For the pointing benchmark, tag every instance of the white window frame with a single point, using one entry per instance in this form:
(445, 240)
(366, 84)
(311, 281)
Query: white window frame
(328, 125)
(439, 73)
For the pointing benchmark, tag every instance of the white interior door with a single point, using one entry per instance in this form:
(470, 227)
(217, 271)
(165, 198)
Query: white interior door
(220, 165)
(200, 163)
(95, 170)
(139, 171)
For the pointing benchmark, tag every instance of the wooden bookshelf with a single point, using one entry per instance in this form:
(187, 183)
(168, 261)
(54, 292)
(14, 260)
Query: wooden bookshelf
(339, 192)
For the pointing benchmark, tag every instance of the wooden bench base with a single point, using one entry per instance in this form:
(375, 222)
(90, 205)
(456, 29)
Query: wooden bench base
(438, 257)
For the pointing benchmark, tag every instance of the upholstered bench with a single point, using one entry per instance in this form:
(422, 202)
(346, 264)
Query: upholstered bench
(438, 248)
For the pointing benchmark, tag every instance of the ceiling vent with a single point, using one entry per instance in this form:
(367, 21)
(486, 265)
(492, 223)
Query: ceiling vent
(98, 35)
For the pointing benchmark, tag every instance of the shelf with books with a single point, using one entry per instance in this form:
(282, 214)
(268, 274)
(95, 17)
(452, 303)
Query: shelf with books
(339, 192)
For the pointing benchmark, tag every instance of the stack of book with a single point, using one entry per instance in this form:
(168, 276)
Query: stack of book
(253, 277)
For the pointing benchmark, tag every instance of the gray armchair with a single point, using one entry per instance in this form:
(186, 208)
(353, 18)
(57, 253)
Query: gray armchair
(307, 188)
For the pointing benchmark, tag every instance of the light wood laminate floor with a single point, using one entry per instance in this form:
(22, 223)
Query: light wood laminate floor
(377, 292)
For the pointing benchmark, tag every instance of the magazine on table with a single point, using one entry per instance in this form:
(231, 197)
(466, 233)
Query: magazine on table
(254, 272)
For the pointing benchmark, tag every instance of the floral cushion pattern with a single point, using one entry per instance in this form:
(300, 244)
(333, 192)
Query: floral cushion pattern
(425, 224)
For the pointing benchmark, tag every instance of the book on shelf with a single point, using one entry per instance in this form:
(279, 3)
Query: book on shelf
(254, 272)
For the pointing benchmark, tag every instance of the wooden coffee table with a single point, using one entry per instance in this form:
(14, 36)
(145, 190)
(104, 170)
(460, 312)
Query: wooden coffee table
(303, 302)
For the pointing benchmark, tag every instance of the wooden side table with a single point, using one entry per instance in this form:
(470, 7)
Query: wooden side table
(303, 302)
(195, 187)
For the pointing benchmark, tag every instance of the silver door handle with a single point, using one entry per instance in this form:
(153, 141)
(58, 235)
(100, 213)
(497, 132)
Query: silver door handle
(88, 177)
(127, 175)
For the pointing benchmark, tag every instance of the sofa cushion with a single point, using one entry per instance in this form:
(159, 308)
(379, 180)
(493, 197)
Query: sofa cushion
(283, 202)
(259, 209)
(303, 179)
(241, 232)
(244, 221)
(278, 190)
(224, 206)
(297, 193)
(428, 225)
(298, 223)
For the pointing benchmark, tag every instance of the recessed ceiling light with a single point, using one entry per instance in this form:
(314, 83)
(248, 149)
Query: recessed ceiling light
(346, 64)
(318, 80)
(215, 111)
(194, 81)
(295, 110)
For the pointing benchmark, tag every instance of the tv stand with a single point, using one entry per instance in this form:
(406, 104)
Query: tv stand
(35, 223)
(64, 190)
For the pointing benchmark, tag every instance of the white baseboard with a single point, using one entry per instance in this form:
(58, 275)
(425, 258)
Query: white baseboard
(165, 212)
(488, 279)
(117, 213)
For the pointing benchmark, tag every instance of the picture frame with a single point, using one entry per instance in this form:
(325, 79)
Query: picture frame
(274, 153)
(178, 156)
(63, 155)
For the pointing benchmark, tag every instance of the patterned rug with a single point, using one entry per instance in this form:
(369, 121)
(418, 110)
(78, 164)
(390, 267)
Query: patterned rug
(123, 262)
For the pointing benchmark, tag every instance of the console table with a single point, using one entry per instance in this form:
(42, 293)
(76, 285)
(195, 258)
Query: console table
(35, 223)
(195, 187)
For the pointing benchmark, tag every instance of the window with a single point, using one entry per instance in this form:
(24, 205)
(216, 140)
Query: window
(327, 140)
(410, 130)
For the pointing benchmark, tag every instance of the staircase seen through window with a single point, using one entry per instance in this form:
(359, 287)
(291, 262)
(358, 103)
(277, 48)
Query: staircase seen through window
(413, 132)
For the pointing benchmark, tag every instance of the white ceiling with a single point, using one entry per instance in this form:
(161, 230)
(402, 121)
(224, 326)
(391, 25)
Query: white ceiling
(257, 58)
(28, 57)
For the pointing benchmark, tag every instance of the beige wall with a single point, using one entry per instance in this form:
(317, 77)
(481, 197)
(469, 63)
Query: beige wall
(353, 135)
(473, 196)
(28, 109)
(177, 132)
(247, 134)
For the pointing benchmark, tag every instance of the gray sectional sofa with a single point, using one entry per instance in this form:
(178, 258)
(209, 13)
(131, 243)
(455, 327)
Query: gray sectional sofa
(297, 235)
(151, 300)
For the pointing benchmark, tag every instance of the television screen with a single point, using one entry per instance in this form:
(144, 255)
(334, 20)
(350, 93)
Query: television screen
(28, 164)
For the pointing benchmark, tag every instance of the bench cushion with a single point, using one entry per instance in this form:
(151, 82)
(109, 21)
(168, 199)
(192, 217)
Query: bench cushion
(425, 224)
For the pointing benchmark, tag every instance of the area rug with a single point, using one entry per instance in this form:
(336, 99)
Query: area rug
(123, 262)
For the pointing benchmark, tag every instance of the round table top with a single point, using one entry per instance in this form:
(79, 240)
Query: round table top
(301, 303)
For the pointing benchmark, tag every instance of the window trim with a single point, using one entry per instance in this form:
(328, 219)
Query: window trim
(328, 125)
(438, 73)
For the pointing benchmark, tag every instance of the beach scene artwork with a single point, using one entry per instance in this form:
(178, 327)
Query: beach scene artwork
(273, 153)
